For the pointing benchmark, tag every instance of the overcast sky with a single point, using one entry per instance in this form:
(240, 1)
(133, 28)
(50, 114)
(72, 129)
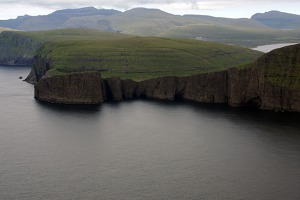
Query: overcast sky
(220, 8)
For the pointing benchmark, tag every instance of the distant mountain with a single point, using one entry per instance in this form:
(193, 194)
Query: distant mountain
(54, 20)
(227, 21)
(88, 11)
(154, 22)
(138, 21)
(278, 20)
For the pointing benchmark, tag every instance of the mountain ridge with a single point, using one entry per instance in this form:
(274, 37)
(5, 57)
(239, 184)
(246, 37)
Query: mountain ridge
(155, 22)
(278, 20)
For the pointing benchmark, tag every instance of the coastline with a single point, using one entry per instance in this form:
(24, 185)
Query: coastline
(270, 83)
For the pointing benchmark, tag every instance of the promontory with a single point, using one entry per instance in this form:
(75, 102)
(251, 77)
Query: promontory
(91, 67)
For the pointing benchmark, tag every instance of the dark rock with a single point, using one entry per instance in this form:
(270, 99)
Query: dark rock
(114, 89)
(208, 88)
(79, 88)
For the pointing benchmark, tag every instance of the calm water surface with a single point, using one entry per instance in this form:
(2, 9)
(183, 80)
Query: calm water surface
(142, 150)
(270, 47)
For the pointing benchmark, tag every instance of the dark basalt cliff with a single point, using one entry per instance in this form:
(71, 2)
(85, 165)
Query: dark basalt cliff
(80, 88)
(271, 83)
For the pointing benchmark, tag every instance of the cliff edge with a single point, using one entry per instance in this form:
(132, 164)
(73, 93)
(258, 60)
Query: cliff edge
(270, 83)
(77, 88)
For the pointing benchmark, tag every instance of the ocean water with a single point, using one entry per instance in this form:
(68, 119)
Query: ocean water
(142, 149)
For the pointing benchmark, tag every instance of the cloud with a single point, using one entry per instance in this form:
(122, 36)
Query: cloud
(125, 4)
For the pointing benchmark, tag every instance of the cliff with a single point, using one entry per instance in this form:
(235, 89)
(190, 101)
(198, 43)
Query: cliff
(39, 68)
(17, 49)
(79, 88)
(271, 83)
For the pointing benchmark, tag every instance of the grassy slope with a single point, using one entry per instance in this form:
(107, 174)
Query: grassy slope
(250, 37)
(72, 34)
(239, 22)
(135, 57)
(282, 66)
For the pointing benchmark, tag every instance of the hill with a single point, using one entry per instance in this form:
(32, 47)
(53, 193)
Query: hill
(127, 56)
(241, 22)
(236, 35)
(54, 20)
(17, 49)
(278, 20)
(154, 22)
(269, 83)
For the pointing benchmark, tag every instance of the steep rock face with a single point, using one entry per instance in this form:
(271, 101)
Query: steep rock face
(208, 88)
(39, 68)
(129, 89)
(279, 83)
(271, 83)
(235, 87)
(243, 87)
(163, 88)
(31, 78)
(79, 88)
(112, 89)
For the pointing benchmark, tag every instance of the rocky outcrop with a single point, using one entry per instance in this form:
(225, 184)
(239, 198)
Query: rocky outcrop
(235, 87)
(39, 68)
(78, 88)
(271, 83)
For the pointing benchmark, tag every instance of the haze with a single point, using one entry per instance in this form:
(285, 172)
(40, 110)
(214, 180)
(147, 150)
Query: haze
(220, 8)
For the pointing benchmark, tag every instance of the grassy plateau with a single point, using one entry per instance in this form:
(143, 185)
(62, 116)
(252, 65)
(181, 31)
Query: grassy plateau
(134, 57)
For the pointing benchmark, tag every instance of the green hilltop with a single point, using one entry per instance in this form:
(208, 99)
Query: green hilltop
(132, 57)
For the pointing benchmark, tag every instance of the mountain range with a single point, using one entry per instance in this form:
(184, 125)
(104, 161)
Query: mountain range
(112, 19)
(278, 20)
(258, 30)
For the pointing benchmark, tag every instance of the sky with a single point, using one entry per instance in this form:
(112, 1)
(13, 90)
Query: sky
(10, 9)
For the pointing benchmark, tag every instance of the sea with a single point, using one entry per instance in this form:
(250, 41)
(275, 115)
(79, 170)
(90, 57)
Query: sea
(142, 149)
(270, 47)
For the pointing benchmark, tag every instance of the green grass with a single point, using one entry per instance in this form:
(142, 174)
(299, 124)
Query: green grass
(282, 66)
(72, 34)
(243, 36)
(134, 57)
(144, 57)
